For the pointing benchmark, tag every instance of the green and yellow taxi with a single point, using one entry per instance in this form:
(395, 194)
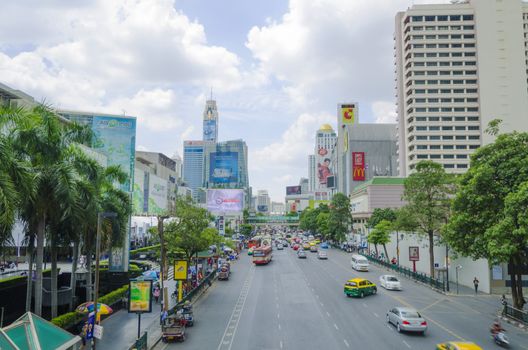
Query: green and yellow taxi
(317, 241)
(457, 345)
(306, 246)
(359, 287)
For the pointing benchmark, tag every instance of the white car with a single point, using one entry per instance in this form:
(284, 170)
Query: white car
(390, 282)
(322, 254)
(279, 246)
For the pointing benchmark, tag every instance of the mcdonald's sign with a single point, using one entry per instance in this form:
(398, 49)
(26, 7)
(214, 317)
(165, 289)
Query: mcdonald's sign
(358, 166)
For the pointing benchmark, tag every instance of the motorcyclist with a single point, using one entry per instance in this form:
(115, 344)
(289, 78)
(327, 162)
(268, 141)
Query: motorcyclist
(496, 328)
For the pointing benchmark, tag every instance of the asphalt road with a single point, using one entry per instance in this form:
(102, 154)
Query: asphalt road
(299, 304)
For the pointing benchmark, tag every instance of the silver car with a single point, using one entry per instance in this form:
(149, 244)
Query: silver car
(407, 319)
(390, 282)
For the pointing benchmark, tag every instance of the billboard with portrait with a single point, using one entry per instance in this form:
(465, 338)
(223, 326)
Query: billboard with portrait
(223, 167)
(140, 296)
(224, 200)
(292, 190)
(358, 166)
(323, 166)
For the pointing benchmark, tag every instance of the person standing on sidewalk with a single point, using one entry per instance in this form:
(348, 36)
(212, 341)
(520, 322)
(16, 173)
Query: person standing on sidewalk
(476, 283)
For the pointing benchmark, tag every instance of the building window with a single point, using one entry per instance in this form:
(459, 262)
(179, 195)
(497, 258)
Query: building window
(435, 147)
(456, 46)
(421, 147)
(421, 138)
(469, 27)
(433, 109)
(472, 109)
(421, 128)
(449, 166)
(448, 147)
(419, 91)
(445, 72)
(456, 54)
(473, 146)
(434, 156)
(455, 27)
(418, 46)
(443, 54)
(434, 119)
(467, 17)
(456, 36)
(469, 45)
(447, 137)
(460, 137)
(460, 119)
(469, 36)
(443, 46)
(473, 127)
(418, 54)
(462, 166)
(445, 82)
(431, 54)
(473, 119)
(434, 128)
(430, 46)
(446, 128)
(434, 138)
(429, 18)
(449, 156)
(473, 137)
(421, 156)
(454, 17)
(461, 146)
(469, 54)
(460, 109)
(417, 28)
(460, 127)
(417, 18)
(421, 119)
(432, 91)
(421, 109)
(447, 119)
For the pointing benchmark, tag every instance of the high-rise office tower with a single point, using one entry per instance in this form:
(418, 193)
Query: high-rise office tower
(311, 172)
(210, 121)
(459, 66)
(193, 165)
(263, 201)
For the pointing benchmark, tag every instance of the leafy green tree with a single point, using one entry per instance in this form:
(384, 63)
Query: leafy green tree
(489, 211)
(245, 215)
(323, 224)
(381, 235)
(427, 192)
(308, 219)
(379, 215)
(245, 230)
(340, 217)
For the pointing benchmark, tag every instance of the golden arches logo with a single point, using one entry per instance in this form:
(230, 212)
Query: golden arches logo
(359, 172)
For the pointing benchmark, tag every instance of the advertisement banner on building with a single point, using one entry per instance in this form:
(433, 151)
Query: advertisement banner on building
(321, 195)
(358, 166)
(157, 195)
(140, 296)
(223, 167)
(348, 113)
(138, 195)
(323, 161)
(223, 200)
(209, 130)
(262, 208)
(292, 190)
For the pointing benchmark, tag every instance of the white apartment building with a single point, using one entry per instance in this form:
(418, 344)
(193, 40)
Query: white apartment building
(458, 66)
(278, 208)
(263, 202)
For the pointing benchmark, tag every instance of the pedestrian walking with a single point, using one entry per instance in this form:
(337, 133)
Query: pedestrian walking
(475, 284)
(156, 294)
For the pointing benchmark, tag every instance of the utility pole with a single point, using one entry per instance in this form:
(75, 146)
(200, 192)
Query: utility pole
(163, 269)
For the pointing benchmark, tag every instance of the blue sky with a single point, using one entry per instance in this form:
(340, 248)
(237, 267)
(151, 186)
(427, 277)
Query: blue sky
(278, 68)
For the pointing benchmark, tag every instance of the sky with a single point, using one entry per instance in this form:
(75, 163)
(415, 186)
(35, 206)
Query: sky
(277, 68)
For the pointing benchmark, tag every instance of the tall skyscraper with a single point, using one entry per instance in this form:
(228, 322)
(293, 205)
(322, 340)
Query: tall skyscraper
(458, 66)
(263, 202)
(325, 141)
(193, 165)
(210, 121)
(311, 172)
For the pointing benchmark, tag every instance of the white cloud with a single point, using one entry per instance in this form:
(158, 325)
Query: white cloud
(384, 112)
(142, 148)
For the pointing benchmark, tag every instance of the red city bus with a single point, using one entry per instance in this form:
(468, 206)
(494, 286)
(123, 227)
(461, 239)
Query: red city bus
(254, 242)
(262, 255)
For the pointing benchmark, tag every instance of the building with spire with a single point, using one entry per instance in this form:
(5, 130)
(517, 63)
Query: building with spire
(210, 121)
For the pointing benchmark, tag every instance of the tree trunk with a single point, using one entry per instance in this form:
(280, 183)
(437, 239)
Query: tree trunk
(520, 297)
(54, 275)
(513, 283)
(73, 280)
(29, 290)
(376, 250)
(431, 253)
(89, 276)
(386, 254)
(40, 257)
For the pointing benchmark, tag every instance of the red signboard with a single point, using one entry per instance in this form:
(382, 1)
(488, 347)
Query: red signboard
(358, 166)
(414, 253)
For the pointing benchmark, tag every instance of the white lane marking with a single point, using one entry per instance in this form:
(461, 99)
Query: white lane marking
(280, 343)
(321, 304)
(375, 314)
(279, 326)
(404, 342)
(346, 343)
(327, 314)
(278, 315)
(232, 324)
(389, 327)
(336, 327)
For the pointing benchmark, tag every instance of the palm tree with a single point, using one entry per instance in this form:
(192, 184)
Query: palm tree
(45, 144)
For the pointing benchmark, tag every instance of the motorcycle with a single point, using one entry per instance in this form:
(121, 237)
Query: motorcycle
(501, 339)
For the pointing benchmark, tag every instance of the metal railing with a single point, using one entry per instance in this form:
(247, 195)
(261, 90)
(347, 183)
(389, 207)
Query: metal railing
(205, 283)
(417, 276)
(516, 314)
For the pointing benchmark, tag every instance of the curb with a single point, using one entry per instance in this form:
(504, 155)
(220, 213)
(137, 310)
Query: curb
(192, 303)
(514, 323)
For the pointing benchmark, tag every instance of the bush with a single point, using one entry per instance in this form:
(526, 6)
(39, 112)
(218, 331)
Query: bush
(67, 320)
(70, 319)
(114, 296)
(146, 249)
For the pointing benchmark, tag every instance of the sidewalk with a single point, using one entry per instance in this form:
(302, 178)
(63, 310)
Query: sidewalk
(120, 329)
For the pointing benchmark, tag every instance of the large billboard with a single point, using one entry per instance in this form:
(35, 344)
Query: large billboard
(220, 200)
(209, 130)
(223, 167)
(323, 166)
(138, 198)
(157, 195)
(292, 190)
(140, 296)
(358, 166)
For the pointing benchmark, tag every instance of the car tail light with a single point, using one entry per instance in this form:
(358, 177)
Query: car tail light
(424, 323)
(405, 322)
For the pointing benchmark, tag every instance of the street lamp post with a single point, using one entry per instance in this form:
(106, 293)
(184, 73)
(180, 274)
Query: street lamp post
(100, 217)
(456, 270)
(447, 267)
